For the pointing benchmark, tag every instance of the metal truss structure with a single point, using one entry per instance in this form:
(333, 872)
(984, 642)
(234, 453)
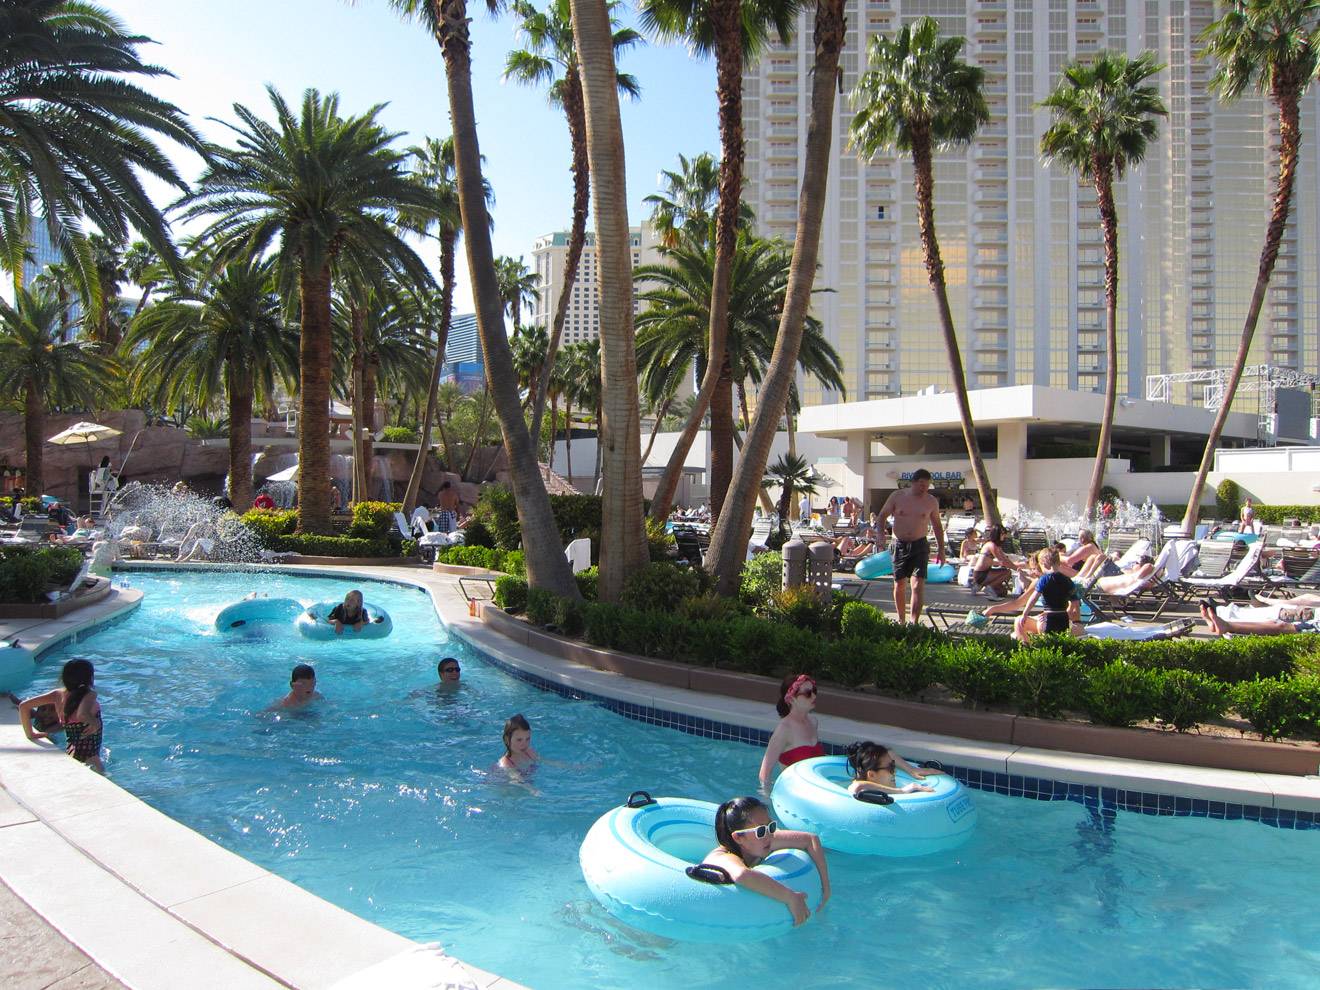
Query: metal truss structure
(1262, 380)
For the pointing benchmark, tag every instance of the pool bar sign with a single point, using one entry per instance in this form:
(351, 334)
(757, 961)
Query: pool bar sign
(938, 479)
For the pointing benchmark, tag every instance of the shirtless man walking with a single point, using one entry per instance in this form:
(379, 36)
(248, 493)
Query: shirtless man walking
(915, 511)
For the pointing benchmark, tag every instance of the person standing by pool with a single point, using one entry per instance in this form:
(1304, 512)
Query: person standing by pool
(747, 835)
(80, 713)
(302, 688)
(915, 511)
(796, 737)
(446, 516)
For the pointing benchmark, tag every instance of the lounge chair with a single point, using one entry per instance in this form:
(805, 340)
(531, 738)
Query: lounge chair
(1031, 541)
(1121, 630)
(1159, 593)
(1244, 578)
(689, 549)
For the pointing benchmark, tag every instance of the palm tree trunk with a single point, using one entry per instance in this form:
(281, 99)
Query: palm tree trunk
(314, 403)
(369, 370)
(655, 428)
(1102, 169)
(721, 440)
(477, 440)
(547, 567)
(240, 434)
(623, 547)
(448, 238)
(34, 425)
(1286, 94)
(568, 437)
(925, 183)
(575, 111)
(728, 545)
(726, 20)
(358, 320)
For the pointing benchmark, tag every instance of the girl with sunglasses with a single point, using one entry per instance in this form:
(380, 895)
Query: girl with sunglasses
(873, 767)
(747, 835)
(796, 737)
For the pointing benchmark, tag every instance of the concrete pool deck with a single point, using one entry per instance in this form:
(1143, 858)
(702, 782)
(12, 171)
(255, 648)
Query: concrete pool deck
(149, 900)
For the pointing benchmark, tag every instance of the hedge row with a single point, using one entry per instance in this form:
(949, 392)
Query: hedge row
(27, 572)
(509, 561)
(576, 517)
(1180, 683)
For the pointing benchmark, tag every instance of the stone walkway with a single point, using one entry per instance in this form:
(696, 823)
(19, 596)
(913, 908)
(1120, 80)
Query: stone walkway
(37, 957)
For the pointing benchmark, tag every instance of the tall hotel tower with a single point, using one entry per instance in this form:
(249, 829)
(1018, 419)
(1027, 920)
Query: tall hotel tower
(1021, 241)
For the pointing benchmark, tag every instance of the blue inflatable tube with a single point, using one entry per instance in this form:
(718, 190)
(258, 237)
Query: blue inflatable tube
(635, 858)
(252, 612)
(812, 795)
(313, 624)
(874, 566)
(16, 666)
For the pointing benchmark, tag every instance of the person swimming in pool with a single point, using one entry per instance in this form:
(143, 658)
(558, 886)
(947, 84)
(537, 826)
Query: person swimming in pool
(795, 738)
(302, 689)
(746, 836)
(449, 671)
(873, 766)
(350, 612)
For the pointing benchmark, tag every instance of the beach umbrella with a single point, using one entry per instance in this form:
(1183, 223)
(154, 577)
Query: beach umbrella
(83, 433)
(288, 474)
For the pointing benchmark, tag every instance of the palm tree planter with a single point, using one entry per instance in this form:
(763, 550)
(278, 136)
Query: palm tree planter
(1103, 122)
(918, 96)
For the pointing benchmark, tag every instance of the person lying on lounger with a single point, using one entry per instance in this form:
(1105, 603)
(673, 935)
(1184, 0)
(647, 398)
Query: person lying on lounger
(1290, 620)
(1142, 575)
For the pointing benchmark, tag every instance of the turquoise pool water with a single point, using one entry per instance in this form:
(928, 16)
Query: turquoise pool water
(383, 800)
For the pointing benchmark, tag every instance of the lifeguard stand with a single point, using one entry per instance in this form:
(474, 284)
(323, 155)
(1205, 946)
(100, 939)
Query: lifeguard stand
(101, 485)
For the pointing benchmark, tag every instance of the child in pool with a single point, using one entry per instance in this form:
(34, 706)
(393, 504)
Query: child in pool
(795, 738)
(349, 612)
(518, 752)
(746, 836)
(302, 689)
(80, 713)
(873, 767)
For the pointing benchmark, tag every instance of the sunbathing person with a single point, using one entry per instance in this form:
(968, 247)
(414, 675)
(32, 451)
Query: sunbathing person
(971, 545)
(1142, 575)
(1258, 627)
(1071, 563)
(1062, 611)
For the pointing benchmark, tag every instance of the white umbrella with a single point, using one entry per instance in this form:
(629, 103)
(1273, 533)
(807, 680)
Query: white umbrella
(84, 433)
(288, 474)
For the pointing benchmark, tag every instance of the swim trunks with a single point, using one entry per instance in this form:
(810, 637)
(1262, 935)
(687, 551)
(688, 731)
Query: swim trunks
(446, 520)
(911, 558)
(1054, 622)
(800, 753)
(1301, 625)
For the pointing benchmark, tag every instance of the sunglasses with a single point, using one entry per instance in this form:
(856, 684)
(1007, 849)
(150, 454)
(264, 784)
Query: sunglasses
(890, 767)
(761, 831)
(450, 670)
(805, 693)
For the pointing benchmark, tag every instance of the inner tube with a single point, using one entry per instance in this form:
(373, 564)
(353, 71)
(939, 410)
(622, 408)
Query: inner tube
(812, 795)
(635, 860)
(312, 623)
(940, 573)
(876, 565)
(16, 666)
(253, 612)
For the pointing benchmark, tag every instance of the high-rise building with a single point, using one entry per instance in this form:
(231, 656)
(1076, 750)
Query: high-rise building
(1021, 240)
(583, 320)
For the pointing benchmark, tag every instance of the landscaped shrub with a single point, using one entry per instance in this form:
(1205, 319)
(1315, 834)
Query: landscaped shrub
(850, 662)
(335, 546)
(1227, 499)
(32, 505)
(1186, 699)
(497, 509)
(659, 586)
(24, 577)
(478, 534)
(647, 633)
(701, 641)
(978, 676)
(709, 607)
(1172, 513)
(658, 542)
(541, 606)
(570, 616)
(1120, 694)
(604, 620)
(515, 562)
(800, 607)
(269, 524)
(1045, 679)
(65, 563)
(762, 576)
(373, 520)
(904, 668)
(511, 593)
(1229, 660)
(399, 434)
(1280, 707)
(1274, 515)
(588, 583)
(862, 621)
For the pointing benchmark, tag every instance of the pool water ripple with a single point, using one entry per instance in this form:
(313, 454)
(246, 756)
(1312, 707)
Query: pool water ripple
(384, 799)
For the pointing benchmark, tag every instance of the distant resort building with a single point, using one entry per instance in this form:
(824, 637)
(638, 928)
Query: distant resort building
(1021, 240)
(464, 363)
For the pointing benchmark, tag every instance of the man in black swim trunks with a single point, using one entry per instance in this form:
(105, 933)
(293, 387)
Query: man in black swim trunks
(916, 511)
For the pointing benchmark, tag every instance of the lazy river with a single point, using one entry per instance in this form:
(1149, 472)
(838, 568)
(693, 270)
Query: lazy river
(384, 799)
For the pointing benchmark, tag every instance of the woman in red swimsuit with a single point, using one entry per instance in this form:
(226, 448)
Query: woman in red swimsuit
(795, 737)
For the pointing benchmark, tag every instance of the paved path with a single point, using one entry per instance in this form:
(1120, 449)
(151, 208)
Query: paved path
(37, 957)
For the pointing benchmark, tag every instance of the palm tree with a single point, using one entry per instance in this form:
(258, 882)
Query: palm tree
(449, 397)
(39, 366)
(918, 96)
(433, 165)
(76, 135)
(686, 206)
(1103, 121)
(142, 267)
(517, 287)
(585, 386)
(551, 51)
(223, 334)
(790, 474)
(736, 31)
(321, 190)
(547, 567)
(531, 346)
(1275, 46)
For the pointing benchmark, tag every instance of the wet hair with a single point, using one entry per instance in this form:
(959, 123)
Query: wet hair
(782, 706)
(733, 816)
(440, 667)
(921, 474)
(77, 678)
(302, 672)
(865, 757)
(1049, 559)
(515, 724)
(1085, 537)
(994, 534)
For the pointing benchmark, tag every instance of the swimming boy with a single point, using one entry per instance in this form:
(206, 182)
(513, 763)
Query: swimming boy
(302, 688)
(449, 673)
(916, 511)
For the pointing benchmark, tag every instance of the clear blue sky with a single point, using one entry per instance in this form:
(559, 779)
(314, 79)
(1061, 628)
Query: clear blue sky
(225, 52)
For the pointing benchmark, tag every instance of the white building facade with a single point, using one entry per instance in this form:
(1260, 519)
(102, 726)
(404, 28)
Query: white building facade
(1022, 241)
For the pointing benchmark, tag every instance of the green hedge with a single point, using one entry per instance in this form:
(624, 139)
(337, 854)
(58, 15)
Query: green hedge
(508, 561)
(336, 546)
(1274, 515)
(576, 517)
(27, 573)
(267, 525)
(373, 520)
